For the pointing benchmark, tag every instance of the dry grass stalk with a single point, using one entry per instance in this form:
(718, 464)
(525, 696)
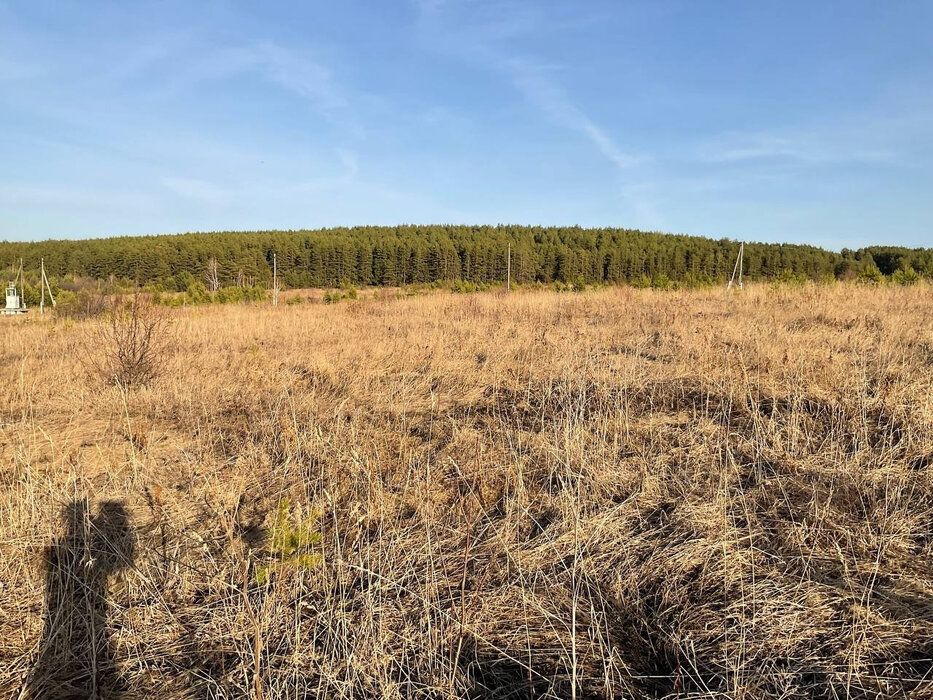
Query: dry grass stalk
(615, 494)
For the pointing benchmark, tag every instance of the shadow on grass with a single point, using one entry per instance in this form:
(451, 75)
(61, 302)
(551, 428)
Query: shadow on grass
(76, 658)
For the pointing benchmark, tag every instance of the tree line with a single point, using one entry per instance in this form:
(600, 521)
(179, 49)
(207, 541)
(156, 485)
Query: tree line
(402, 255)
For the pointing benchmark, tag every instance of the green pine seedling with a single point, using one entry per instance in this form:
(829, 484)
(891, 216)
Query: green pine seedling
(292, 540)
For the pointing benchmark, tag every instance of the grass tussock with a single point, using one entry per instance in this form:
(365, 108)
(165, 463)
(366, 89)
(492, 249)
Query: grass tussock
(615, 494)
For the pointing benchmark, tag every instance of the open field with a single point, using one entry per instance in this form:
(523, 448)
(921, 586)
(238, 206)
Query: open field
(620, 493)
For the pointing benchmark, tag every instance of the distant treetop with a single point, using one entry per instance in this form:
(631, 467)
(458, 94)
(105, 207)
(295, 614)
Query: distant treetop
(398, 255)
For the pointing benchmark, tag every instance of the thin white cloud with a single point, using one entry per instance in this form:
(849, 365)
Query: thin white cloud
(532, 80)
(291, 70)
(812, 148)
(482, 40)
(300, 75)
(895, 134)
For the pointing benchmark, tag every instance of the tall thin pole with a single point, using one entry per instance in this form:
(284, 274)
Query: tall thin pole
(48, 287)
(737, 270)
(42, 288)
(741, 262)
(275, 280)
(21, 279)
(508, 270)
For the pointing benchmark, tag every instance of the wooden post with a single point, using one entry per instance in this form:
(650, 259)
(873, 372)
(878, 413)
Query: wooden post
(42, 287)
(508, 270)
(275, 280)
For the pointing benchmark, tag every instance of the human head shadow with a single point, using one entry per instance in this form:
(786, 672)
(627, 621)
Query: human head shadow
(76, 658)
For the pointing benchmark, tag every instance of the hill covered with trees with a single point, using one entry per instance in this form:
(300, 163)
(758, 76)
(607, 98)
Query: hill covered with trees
(402, 255)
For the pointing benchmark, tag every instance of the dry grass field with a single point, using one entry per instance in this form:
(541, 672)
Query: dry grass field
(619, 493)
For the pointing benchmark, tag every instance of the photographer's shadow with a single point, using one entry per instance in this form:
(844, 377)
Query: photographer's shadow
(76, 658)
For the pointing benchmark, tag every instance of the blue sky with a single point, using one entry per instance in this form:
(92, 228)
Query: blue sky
(781, 121)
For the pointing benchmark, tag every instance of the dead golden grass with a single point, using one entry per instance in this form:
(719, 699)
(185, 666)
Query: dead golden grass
(614, 494)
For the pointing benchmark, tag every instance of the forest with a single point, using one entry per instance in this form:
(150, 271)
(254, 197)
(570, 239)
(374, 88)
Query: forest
(402, 255)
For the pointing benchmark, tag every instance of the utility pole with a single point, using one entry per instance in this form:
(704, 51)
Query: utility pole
(21, 278)
(275, 280)
(741, 263)
(508, 270)
(48, 287)
(737, 270)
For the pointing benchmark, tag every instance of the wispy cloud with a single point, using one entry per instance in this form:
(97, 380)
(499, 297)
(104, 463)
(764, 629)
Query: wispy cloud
(339, 170)
(292, 70)
(300, 75)
(484, 40)
(533, 81)
(805, 147)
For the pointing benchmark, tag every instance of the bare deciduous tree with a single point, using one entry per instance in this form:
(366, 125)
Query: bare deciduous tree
(212, 275)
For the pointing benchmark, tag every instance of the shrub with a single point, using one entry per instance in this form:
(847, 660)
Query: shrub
(198, 294)
(79, 305)
(463, 287)
(663, 283)
(906, 276)
(132, 346)
(845, 270)
(348, 289)
(870, 274)
(229, 295)
(255, 293)
(787, 278)
(695, 280)
(641, 282)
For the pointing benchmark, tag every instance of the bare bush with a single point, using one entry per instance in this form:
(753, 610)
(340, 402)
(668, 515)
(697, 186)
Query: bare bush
(132, 344)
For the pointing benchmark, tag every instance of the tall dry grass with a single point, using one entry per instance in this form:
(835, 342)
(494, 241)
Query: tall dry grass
(614, 494)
